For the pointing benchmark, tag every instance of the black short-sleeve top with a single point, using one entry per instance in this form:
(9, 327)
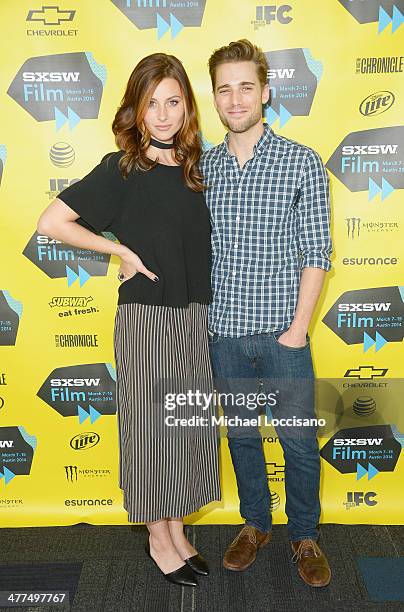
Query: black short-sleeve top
(156, 215)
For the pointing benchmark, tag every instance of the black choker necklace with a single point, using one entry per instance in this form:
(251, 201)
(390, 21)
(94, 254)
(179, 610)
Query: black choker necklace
(161, 145)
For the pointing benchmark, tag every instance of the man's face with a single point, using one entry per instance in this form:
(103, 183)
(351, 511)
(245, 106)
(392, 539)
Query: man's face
(239, 96)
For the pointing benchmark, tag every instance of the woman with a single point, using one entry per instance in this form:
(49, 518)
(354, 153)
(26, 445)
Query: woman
(149, 195)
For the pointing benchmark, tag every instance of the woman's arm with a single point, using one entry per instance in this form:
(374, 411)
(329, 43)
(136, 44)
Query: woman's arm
(59, 221)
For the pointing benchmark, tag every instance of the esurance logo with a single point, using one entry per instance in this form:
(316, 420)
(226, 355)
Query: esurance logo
(376, 103)
(270, 13)
(76, 390)
(162, 14)
(293, 77)
(373, 317)
(382, 12)
(371, 160)
(65, 88)
(59, 260)
(365, 450)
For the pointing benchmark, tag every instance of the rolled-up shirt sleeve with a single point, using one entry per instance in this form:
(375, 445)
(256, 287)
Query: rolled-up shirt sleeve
(97, 196)
(314, 214)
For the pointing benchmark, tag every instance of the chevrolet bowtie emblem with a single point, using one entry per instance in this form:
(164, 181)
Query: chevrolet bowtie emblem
(366, 373)
(51, 15)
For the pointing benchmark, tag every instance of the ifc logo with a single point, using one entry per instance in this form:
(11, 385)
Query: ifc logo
(62, 154)
(364, 406)
(377, 103)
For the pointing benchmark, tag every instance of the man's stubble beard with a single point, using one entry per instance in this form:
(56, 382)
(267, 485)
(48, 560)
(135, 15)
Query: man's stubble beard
(240, 127)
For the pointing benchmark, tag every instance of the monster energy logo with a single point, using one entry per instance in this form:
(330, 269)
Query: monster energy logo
(71, 472)
(353, 226)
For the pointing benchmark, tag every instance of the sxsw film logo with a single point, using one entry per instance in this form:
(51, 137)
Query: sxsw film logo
(3, 157)
(17, 448)
(356, 227)
(64, 88)
(10, 316)
(373, 317)
(371, 160)
(293, 77)
(363, 451)
(377, 103)
(383, 12)
(76, 390)
(49, 16)
(267, 14)
(357, 498)
(59, 260)
(163, 14)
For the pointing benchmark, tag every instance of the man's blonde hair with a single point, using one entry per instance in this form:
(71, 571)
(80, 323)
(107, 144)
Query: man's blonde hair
(240, 51)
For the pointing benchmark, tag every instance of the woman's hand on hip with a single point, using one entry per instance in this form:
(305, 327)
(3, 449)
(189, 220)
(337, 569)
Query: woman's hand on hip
(131, 264)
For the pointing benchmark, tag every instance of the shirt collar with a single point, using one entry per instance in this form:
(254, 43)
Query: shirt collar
(262, 143)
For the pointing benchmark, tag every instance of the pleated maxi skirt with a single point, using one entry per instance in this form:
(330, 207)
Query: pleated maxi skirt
(161, 354)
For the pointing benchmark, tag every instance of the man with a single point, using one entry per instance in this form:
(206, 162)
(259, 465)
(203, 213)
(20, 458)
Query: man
(269, 203)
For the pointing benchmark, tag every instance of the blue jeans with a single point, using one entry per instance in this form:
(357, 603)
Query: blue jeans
(260, 364)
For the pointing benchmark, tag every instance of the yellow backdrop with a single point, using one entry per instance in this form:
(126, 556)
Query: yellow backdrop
(336, 74)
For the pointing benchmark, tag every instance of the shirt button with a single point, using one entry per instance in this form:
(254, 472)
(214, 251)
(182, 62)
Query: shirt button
(235, 245)
(238, 218)
(231, 299)
(234, 273)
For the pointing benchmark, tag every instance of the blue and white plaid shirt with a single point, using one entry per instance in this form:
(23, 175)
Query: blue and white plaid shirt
(269, 220)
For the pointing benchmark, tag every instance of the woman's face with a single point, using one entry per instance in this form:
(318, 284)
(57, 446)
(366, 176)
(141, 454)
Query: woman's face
(166, 111)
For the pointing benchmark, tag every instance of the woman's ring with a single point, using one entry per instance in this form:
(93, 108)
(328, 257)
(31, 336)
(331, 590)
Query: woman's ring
(121, 276)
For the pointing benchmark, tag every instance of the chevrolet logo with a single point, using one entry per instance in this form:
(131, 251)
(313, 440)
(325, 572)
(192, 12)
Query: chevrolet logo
(366, 373)
(50, 15)
(274, 469)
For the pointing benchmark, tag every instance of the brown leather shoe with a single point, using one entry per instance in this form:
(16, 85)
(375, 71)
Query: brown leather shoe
(243, 550)
(312, 564)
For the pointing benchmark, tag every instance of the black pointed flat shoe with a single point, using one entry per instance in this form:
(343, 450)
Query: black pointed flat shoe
(198, 564)
(184, 576)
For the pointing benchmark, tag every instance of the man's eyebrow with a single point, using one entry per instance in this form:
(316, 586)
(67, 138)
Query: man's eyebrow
(241, 83)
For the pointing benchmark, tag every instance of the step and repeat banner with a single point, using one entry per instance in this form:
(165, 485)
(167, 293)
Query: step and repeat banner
(336, 77)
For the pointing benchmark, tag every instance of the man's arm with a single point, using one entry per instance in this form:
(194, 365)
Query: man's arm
(315, 246)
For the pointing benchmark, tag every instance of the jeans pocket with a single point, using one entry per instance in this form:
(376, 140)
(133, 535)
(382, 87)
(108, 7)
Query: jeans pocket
(278, 333)
(213, 337)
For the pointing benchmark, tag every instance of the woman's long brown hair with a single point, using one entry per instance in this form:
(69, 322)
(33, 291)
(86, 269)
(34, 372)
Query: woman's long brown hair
(130, 132)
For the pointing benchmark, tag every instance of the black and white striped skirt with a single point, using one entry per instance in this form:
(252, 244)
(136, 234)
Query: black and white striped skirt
(166, 468)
